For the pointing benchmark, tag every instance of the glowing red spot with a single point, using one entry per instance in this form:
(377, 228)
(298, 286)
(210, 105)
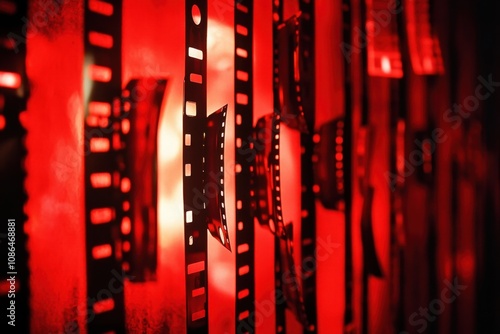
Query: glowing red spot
(102, 251)
(100, 180)
(125, 186)
(105, 305)
(101, 7)
(100, 73)
(100, 109)
(126, 225)
(99, 144)
(102, 40)
(10, 80)
(101, 215)
(386, 65)
(2, 122)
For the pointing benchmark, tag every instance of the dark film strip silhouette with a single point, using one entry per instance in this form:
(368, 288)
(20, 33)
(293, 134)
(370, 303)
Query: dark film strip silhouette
(245, 169)
(269, 212)
(13, 97)
(103, 185)
(329, 151)
(194, 125)
(306, 54)
(277, 8)
(214, 176)
(141, 105)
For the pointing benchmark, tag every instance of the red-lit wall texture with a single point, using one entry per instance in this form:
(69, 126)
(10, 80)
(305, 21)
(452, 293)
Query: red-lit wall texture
(435, 223)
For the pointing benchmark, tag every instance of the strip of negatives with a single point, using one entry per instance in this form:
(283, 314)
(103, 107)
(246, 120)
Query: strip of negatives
(277, 7)
(194, 126)
(307, 68)
(243, 129)
(14, 94)
(270, 212)
(141, 109)
(102, 175)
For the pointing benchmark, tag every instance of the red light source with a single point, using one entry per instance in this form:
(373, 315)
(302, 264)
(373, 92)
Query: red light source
(10, 80)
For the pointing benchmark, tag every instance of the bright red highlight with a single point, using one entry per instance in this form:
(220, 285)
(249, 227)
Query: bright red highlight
(10, 80)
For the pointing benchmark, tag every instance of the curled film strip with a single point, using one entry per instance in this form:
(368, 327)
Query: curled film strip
(103, 143)
(277, 9)
(214, 176)
(290, 81)
(270, 213)
(245, 169)
(141, 109)
(14, 93)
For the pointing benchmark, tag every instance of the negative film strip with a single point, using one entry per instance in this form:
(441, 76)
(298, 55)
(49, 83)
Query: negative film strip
(423, 43)
(329, 160)
(384, 55)
(14, 93)
(349, 317)
(141, 106)
(308, 203)
(290, 80)
(194, 125)
(213, 190)
(243, 130)
(277, 8)
(102, 142)
(269, 212)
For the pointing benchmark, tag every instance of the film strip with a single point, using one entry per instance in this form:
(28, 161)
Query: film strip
(141, 106)
(384, 55)
(349, 323)
(364, 153)
(269, 212)
(290, 71)
(243, 128)
(308, 202)
(423, 43)
(214, 176)
(194, 126)
(277, 7)
(14, 93)
(329, 156)
(102, 143)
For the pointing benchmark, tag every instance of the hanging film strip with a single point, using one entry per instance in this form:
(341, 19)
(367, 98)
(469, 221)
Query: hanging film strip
(194, 123)
(277, 8)
(423, 43)
(245, 233)
(141, 106)
(307, 77)
(365, 137)
(270, 213)
(102, 142)
(14, 94)
(344, 136)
